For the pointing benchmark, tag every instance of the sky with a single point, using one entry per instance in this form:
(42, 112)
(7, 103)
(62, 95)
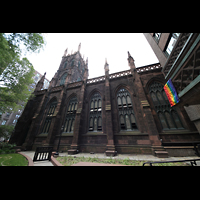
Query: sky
(97, 47)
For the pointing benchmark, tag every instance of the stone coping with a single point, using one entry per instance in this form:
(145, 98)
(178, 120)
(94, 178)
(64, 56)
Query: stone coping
(30, 162)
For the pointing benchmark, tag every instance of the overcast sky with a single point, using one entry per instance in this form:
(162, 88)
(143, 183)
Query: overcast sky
(95, 46)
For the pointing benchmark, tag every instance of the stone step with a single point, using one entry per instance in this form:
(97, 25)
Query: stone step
(161, 154)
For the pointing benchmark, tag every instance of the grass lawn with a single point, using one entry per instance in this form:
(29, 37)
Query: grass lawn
(70, 160)
(13, 159)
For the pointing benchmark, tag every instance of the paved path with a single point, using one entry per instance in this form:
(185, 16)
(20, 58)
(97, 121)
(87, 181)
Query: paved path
(39, 163)
(119, 156)
(95, 164)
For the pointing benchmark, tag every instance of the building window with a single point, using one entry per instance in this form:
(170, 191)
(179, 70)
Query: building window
(78, 79)
(7, 114)
(72, 62)
(3, 122)
(95, 118)
(167, 115)
(65, 65)
(126, 113)
(62, 80)
(83, 70)
(79, 65)
(70, 115)
(157, 36)
(50, 113)
(171, 43)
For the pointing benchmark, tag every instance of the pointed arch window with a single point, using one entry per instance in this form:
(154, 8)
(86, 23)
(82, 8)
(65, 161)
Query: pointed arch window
(49, 116)
(126, 113)
(63, 78)
(70, 115)
(72, 63)
(83, 70)
(79, 65)
(65, 65)
(167, 115)
(95, 118)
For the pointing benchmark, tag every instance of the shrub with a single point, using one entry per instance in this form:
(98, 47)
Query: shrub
(7, 148)
(1, 151)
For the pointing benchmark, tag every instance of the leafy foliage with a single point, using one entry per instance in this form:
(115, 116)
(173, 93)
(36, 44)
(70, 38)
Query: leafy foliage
(15, 72)
(6, 148)
(6, 131)
(16, 79)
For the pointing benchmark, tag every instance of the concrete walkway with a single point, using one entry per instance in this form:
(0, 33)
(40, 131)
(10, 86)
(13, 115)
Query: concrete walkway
(119, 156)
(39, 163)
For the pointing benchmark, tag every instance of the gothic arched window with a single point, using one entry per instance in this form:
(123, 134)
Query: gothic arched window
(70, 115)
(72, 62)
(48, 119)
(167, 115)
(83, 70)
(95, 118)
(63, 78)
(79, 65)
(126, 113)
(65, 65)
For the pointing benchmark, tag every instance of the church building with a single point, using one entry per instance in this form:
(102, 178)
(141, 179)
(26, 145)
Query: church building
(124, 112)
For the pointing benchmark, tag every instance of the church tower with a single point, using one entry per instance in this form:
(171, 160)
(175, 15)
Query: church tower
(72, 69)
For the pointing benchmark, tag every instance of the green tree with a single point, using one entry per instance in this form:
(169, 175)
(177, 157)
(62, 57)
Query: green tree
(6, 131)
(15, 72)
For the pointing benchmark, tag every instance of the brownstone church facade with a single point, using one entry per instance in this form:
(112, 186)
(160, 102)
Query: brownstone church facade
(124, 112)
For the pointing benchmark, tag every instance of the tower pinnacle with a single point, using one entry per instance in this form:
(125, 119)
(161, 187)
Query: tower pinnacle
(65, 52)
(131, 61)
(106, 66)
(79, 47)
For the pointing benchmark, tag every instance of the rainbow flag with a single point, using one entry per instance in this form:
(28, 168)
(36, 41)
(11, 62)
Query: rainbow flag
(171, 93)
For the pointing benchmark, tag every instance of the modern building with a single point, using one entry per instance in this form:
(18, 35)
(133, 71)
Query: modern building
(179, 55)
(123, 112)
(10, 118)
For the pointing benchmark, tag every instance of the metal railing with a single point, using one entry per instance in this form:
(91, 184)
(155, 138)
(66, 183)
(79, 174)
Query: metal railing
(192, 161)
(43, 153)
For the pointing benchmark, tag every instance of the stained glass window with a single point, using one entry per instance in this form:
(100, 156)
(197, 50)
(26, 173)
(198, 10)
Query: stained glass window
(50, 113)
(62, 80)
(79, 65)
(99, 123)
(65, 65)
(95, 120)
(72, 62)
(70, 115)
(126, 112)
(95, 124)
(167, 115)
